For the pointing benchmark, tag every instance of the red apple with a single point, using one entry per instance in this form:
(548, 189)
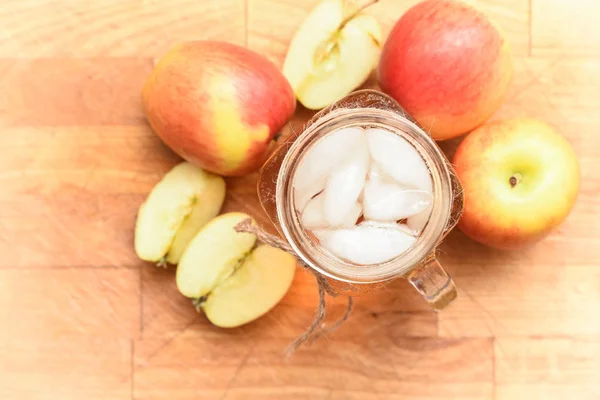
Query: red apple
(447, 65)
(218, 105)
(520, 180)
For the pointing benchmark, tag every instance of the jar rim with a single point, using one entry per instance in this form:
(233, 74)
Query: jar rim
(323, 261)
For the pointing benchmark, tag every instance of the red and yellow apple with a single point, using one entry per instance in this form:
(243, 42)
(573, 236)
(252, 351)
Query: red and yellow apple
(447, 65)
(218, 105)
(520, 180)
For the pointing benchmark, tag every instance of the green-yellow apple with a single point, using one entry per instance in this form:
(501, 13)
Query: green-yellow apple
(447, 65)
(184, 200)
(260, 282)
(213, 255)
(333, 52)
(218, 105)
(231, 280)
(520, 180)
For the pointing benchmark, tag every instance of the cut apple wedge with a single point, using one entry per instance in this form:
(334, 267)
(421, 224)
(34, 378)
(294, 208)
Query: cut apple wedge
(332, 53)
(232, 281)
(254, 289)
(185, 199)
(205, 209)
(213, 255)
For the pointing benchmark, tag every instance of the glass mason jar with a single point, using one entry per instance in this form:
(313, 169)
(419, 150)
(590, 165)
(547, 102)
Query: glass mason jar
(367, 108)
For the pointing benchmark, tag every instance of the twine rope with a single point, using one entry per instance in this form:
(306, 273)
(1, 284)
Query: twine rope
(312, 332)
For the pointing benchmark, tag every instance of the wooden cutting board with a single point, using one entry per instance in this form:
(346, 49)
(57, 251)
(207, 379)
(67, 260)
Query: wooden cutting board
(82, 318)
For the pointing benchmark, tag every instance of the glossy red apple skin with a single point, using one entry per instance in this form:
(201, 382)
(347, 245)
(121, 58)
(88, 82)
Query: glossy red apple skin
(218, 105)
(448, 65)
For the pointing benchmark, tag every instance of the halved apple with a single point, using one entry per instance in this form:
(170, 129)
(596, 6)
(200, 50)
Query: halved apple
(255, 288)
(230, 280)
(185, 199)
(213, 255)
(332, 53)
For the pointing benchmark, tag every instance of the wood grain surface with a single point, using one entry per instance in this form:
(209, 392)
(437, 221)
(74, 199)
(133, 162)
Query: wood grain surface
(82, 318)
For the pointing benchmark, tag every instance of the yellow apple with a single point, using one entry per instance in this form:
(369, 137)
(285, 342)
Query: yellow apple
(184, 200)
(332, 53)
(520, 180)
(232, 281)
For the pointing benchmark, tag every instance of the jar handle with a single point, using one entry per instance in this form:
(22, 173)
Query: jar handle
(434, 284)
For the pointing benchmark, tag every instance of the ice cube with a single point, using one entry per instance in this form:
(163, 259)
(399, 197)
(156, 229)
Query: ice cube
(391, 202)
(416, 223)
(345, 184)
(392, 225)
(351, 218)
(313, 216)
(302, 195)
(399, 159)
(328, 152)
(365, 244)
(375, 172)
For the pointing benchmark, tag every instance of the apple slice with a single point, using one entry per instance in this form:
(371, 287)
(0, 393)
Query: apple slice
(213, 255)
(230, 280)
(204, 210)
(255, 288)
(332, 53)
(185, 199)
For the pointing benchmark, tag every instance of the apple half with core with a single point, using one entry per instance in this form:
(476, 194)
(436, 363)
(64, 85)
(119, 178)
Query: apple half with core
(520, 180)
(333, 52)
(218, 105)
(448, 65)
(230, 278)
(184, 200)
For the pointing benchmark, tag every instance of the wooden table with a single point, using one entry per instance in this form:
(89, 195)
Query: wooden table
(82, 318)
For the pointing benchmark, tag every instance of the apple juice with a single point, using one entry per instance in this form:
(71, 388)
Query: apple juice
(364, 193)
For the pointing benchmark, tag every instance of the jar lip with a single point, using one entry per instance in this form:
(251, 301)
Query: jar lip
(323, 261)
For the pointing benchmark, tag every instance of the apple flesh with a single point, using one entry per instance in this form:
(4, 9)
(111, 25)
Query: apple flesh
(447, 65)
(213, 255)
(184, 200)
(218, 105)
(263, 278)
(205, 208)
(232, 281)
(520, 181)
(333, 52)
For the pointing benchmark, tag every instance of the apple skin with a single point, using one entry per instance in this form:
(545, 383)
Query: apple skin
(218, 105)
(546, 169)
(447, 65)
